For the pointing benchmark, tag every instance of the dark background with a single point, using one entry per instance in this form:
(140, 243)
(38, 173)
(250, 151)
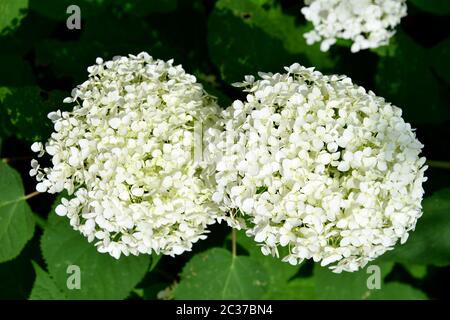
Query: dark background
(219, 42)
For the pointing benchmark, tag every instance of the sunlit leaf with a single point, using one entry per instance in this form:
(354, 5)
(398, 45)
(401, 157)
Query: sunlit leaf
(44, 287)
(217, 274)
(349, 285)
(11, 13)
(16, 218)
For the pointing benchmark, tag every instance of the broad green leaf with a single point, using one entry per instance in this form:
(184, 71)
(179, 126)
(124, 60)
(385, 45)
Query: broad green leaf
(280, 274)
(11, 13)
(347, 285)
(429, 243)
(406, 80)
(438, 7)
(217, 274)
(44, 287)
(245, 37)
(396, 291)
(102, 276)
(27, 108)
(16, 218)
(440, 59)
(296, 289)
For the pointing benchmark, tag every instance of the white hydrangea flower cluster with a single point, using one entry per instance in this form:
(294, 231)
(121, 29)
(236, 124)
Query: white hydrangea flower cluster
(368, 23)
(125, 153)
(319, 166)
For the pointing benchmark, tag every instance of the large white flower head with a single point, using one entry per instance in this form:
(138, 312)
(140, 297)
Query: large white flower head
(319, 166)
(367, 23)
(126, 155)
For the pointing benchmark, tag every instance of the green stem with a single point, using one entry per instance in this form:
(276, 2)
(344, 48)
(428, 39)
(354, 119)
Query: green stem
(31, 195)
(438, 164)
(233, 242)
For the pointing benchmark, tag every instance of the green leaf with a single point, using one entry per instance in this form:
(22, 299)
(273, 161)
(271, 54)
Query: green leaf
(429, 243)
(439, 56)
(397, 291)
(11, 13)
(216, 274)
(416, 270)
(438, 7)
(102, 276)
(154, 261)
(406, 80)
(245, 37)
(346, 285)
(16, 218)
(280, 272)
(282, 284)
(296, 289)
(27, 109)
(44, 287)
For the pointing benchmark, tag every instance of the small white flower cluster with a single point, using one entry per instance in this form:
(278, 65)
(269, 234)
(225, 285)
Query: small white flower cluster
(319, 166)
(368, 23)
(125, 154)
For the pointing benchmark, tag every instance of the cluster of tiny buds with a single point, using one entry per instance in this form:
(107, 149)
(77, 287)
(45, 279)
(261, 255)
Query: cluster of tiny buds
(367, 23)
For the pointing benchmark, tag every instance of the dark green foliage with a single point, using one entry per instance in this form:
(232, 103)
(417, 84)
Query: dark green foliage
(219, 41)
